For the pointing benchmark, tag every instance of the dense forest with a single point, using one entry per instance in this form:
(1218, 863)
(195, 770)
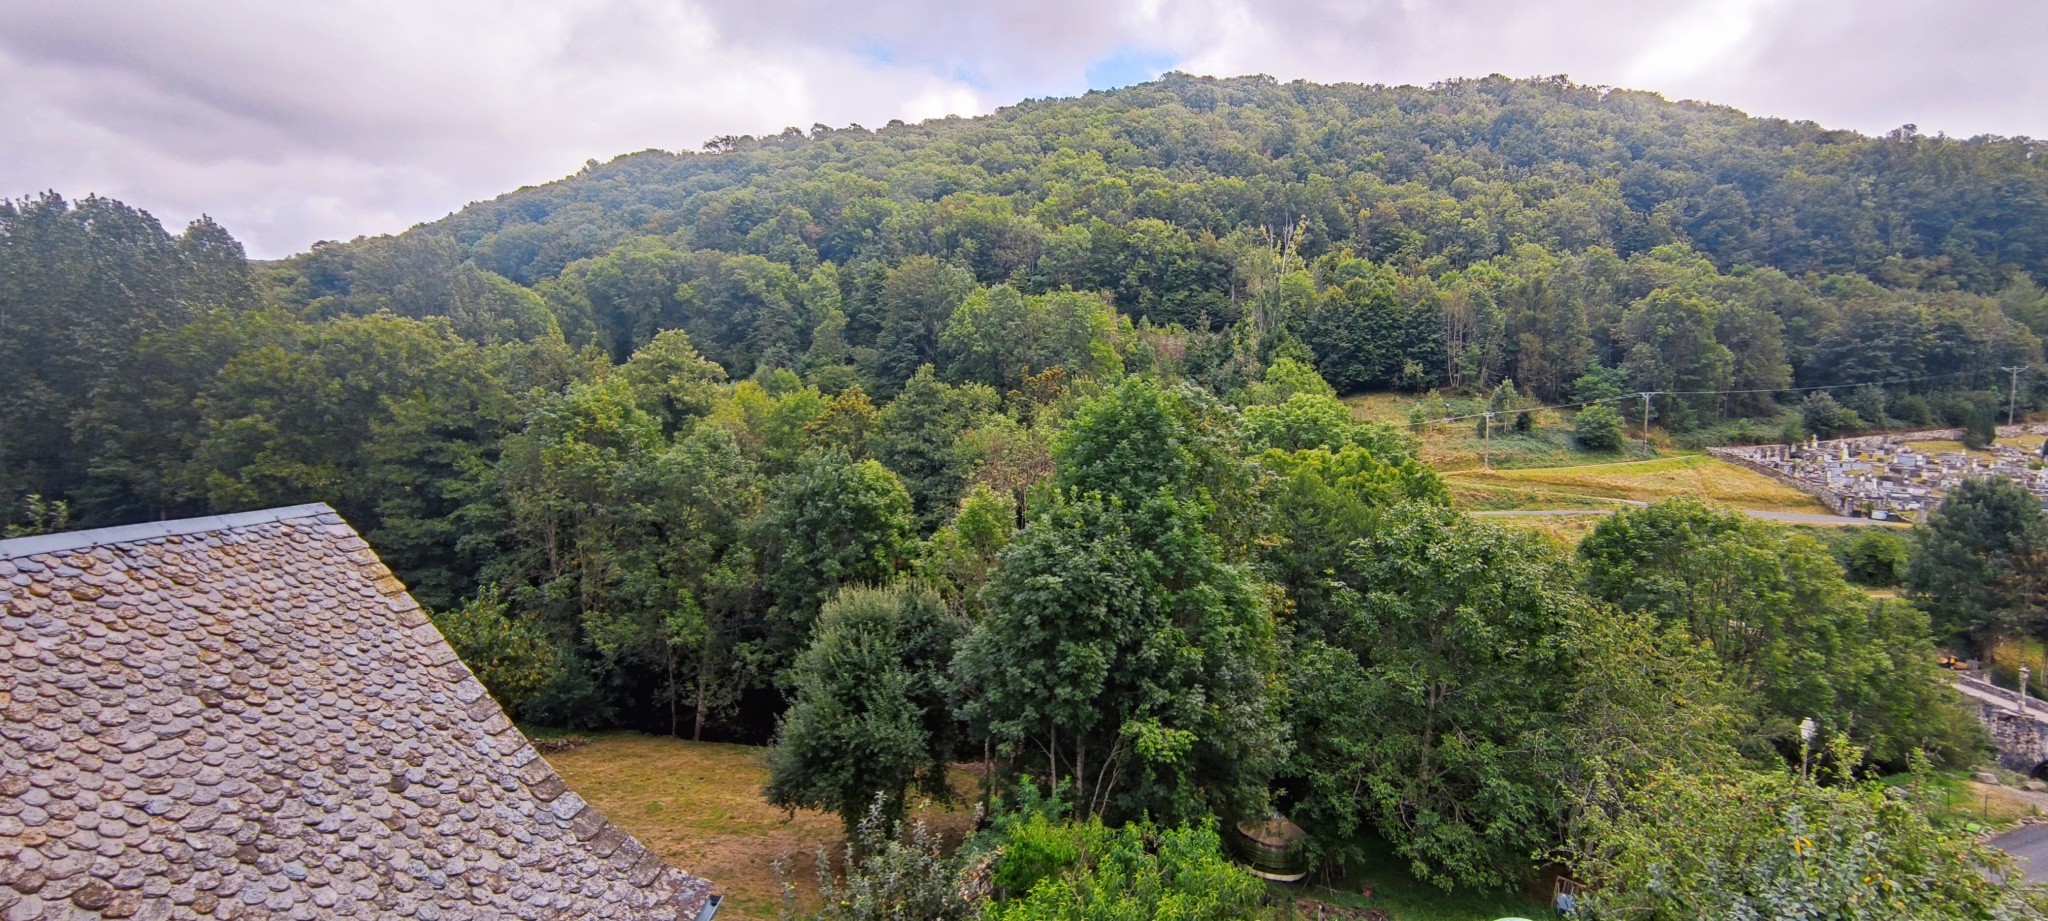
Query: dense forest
(1019, 437)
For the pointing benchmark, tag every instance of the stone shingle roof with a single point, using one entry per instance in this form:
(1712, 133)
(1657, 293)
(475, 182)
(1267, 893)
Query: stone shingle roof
(248, 717)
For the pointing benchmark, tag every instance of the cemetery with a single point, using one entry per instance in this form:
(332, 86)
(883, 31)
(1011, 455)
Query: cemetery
(1899, 477)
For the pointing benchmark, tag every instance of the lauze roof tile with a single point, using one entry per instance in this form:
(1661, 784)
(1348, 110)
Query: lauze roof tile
(248, 717)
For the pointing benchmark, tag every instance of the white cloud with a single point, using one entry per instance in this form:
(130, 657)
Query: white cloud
(1712, 34)
(293, 122)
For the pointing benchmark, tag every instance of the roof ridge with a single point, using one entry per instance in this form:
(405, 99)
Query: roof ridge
(157, 530)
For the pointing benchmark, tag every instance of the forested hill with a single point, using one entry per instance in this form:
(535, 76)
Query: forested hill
(1471, 231)
(1429, 178)
(1577, 241)
(1020, 437)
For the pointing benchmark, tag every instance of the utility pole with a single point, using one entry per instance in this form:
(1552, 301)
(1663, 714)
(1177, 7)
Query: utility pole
(2012, 406)
(1486, 453)
(1646, 416)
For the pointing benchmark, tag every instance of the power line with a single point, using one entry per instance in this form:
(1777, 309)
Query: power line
(1702, 393)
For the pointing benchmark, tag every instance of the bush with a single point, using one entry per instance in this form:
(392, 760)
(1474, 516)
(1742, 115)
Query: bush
(512, 658)
(1598, 428)
(888, 878)
(1599, 383)
(1951, 407)
(1775, 845)
(1913, 410)
(1083, 871)
(1876, 556)
(1825, 418)
(1980, 427)
(1868, 402)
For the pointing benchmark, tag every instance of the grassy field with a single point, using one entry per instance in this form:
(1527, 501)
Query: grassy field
(1567, 530)
(1545, 469)
(2027, 442)
(1594, 485)
(699, 806)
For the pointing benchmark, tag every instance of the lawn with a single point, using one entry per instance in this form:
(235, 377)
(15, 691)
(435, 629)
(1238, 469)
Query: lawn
(699, 806)
(1459, 445)
(1695, 475)
(2025, 442)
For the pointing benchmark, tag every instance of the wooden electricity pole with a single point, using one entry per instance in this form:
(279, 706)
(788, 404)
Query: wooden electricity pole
(1646, 416)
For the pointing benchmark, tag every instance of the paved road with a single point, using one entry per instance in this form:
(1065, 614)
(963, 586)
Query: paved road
(2028, 845)
(1790, 517)
(1986, 693)
(1547, 512)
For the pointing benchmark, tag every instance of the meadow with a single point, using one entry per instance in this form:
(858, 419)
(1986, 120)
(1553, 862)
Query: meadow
(1593, 485)
(699, 806)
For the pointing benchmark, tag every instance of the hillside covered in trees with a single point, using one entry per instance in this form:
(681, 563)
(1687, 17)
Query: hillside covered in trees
(1020, 436)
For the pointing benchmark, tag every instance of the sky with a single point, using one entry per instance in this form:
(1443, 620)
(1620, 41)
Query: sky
(294, 122)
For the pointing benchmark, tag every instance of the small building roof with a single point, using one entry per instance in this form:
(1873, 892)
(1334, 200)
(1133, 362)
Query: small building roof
(248, 716)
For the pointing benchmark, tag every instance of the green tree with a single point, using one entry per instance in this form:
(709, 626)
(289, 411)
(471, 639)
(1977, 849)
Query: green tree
(1769, 844)
(1137, 441)
(513, 658)
(1599, 383)
(144, 427)
(1432, 711)
(1980, 426)
(675, 383)
(919, 435)
(918, 298)
(1282, 380)
(872, 714)
(1877, 556)
(1120, 649)
(682, 590)
(963, 555)
(561, 479)
(1785, 624)
(846, 424)
(1980, 565)
(1597, 428)
(1820, 415)
(1311, 421)
(999, 337)
(1320, 501)
(772, 427)
(833, 522)
(40, 516)
(1669, 342)
(85, 281)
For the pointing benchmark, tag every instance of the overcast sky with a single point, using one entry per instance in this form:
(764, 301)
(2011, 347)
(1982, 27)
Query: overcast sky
(292, 122)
